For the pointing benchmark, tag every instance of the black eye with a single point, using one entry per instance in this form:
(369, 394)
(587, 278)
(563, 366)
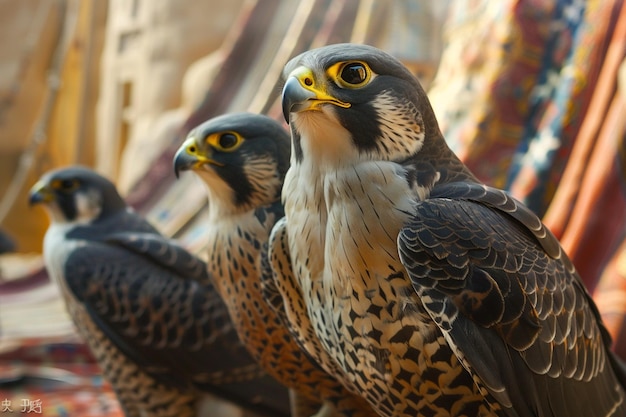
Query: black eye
(354, 73)
(68, 184)
(227, 140)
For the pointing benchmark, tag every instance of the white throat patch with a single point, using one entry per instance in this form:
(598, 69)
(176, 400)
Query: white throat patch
(88, 206)
(324, 140)
(219, 193)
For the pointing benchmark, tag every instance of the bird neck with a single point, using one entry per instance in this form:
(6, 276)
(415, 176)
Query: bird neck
(223, 204)
(330, 217)
(438, 154)
(113, 203)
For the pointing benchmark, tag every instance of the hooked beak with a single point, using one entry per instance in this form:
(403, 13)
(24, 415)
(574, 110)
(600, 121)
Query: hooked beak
(40, 193)
(302, 93)
(189, 156)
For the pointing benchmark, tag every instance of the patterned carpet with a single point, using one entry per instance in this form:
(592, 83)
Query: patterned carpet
(55, 380)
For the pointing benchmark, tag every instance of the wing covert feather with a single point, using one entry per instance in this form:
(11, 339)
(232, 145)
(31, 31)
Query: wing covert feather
(498, 285)
(152, 314)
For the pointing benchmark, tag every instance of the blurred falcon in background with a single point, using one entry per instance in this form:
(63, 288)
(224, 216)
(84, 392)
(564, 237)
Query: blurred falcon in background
(144, 305)
(432, 293)
(242, 159)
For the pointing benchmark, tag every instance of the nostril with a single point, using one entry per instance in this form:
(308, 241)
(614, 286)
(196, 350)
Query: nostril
(192, 149)
(308, 81)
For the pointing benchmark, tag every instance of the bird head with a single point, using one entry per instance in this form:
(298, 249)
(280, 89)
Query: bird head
(76, 195)
(241, 157)
(350, 102)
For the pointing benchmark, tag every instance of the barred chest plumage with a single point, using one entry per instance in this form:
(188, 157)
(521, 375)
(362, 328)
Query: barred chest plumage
(234, 262)
(345, 258)
(368, 318)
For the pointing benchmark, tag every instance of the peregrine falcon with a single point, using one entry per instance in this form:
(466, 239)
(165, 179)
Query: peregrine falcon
(144, 305)
(432, 293)
(242, 159)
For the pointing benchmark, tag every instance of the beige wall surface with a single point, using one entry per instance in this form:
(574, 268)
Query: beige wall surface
(31, 30)
(149, 47)
(94, 82)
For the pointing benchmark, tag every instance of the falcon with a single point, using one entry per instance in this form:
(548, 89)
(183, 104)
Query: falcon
(242, 159)
(430, 292)
(144, 305)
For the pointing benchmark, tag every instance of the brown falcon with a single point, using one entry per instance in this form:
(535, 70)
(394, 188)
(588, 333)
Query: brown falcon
(431, 293)
(144, 305)
(242, 158)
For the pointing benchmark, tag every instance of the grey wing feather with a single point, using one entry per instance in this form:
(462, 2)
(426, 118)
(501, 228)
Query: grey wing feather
(502, 202)
(283, 293)
(498, 199)
(176, 328)
(163, 252)
(145, 307)
(269, 276)
(125, 221)
(509, 302)
(273, 219)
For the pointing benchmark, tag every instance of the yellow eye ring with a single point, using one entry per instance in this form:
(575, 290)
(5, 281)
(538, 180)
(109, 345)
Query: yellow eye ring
(225, 141)
(67, 185)
(350, 74)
